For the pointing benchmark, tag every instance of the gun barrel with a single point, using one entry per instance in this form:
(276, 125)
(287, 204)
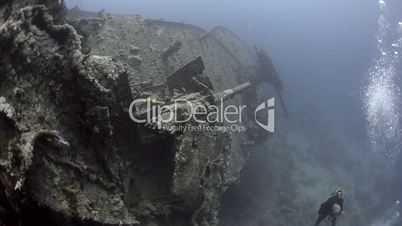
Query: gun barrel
(229, 93)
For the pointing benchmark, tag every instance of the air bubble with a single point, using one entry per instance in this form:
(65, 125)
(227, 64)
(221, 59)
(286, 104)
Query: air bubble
(399, 29)
(382, 4)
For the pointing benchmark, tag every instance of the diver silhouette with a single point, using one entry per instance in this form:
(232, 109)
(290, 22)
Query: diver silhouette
(266, 72)
(331, 208)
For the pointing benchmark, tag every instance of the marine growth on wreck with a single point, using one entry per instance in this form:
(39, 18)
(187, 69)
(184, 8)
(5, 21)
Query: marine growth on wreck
(71, 155)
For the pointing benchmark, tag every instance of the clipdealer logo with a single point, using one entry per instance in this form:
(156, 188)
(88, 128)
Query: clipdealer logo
(149, 111)
(269, 106)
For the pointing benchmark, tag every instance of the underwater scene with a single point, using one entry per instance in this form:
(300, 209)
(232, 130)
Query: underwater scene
(200, 113)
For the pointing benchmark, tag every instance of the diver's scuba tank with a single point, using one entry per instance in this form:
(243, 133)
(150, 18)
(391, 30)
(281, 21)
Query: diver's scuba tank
(336, 210)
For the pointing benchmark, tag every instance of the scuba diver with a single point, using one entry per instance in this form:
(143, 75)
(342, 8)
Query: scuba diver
(266, 72)
(331, 208)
